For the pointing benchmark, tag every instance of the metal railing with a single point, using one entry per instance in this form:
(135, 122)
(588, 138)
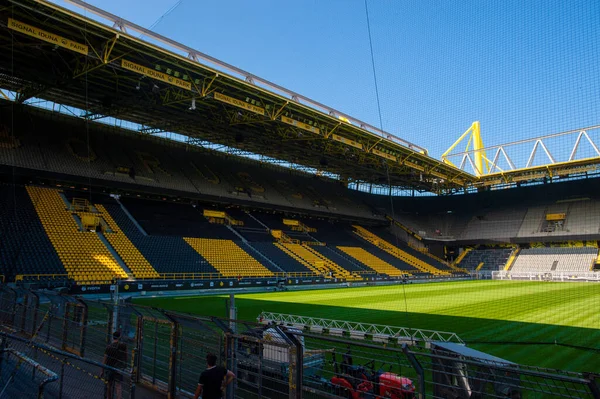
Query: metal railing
(358, 330)
(194, 56)
(165, 351)
(162, 276)
(38, 375)
(213, 276)
(546, 276)
(24, 277)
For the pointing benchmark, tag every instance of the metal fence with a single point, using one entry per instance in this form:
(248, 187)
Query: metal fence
(14, 362)
(547, 276)
(53, 346)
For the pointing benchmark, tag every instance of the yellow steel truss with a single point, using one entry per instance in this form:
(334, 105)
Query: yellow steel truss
(482, 166)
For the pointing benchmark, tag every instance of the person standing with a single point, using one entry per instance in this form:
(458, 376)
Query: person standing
(213, 380)
(115, 355)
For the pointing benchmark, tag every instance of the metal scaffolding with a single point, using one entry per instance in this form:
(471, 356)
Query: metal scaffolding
(573, 152)
(357, 330)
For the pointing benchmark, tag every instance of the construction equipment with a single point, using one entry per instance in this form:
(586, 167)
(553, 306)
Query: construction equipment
(363, 381)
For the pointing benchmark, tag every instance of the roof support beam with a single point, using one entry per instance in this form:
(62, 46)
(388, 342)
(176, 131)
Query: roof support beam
(104, 58)
(30, 91)
(206, 86)
(197, 56)
(3, 94)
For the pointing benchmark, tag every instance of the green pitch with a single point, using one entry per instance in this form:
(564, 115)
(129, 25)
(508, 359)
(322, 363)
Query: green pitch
(554, 325)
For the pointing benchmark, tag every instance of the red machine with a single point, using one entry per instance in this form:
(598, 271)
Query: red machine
(394, 386)
(355, 392)
(358, 382)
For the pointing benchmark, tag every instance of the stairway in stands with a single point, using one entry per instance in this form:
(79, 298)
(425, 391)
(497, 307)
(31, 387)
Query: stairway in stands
(318, 268)
(168, 255)
(440, 261)
(370, 260)
(85, 258)
(416, 249)
(397, 252)
(137, 263)
(323, 264)
(228, 258)
(460, 258)
(512, 259)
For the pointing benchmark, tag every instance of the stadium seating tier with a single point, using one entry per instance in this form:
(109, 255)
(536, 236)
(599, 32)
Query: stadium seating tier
(85, 258)
(25, 248)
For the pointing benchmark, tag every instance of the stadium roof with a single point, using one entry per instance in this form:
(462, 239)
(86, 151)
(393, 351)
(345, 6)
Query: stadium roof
(61, 56)
(163, 86)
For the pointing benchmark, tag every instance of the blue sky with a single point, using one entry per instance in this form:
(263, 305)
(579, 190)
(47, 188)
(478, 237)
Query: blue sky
(522, 68)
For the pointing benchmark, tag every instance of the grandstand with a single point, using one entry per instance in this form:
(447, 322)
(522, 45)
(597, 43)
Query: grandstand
(141, 239)
(25, 247)
(559, 260)
(118, 159)
(228, 258)
(154, 224)
(82, 252)
(490, 259)
(517, 215)
(134, 239)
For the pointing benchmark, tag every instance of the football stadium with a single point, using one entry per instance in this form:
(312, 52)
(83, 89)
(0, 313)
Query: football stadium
(159, 204)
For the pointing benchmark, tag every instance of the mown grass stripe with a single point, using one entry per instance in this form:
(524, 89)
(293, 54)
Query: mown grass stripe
(479, 311)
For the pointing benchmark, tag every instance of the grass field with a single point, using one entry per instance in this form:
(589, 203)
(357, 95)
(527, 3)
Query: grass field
(554, 325)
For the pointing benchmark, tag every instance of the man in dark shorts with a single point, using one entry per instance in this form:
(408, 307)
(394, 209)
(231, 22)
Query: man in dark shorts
(115, 355)
(213, 380)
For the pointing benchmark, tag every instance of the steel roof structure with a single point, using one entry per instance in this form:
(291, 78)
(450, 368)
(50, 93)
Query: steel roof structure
(57, 55)
(54, 54)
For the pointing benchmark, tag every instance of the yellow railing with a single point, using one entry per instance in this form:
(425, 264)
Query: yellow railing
(172, 276)
(80, 205)
(405, 228)
(314, 243)
(511, 260)
(280, 236)
(21, 277)
(185, 276)
(168, 276)
(479, 266)
(298, 274)
(30, 277)
(462, 256)
(215, 276)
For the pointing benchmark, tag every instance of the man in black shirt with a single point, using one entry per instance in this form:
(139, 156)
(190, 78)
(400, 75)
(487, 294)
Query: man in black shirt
(115, 355)
(213, 380)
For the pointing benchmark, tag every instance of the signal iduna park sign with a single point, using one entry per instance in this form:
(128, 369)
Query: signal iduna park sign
(151, 73)
(46, 36)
